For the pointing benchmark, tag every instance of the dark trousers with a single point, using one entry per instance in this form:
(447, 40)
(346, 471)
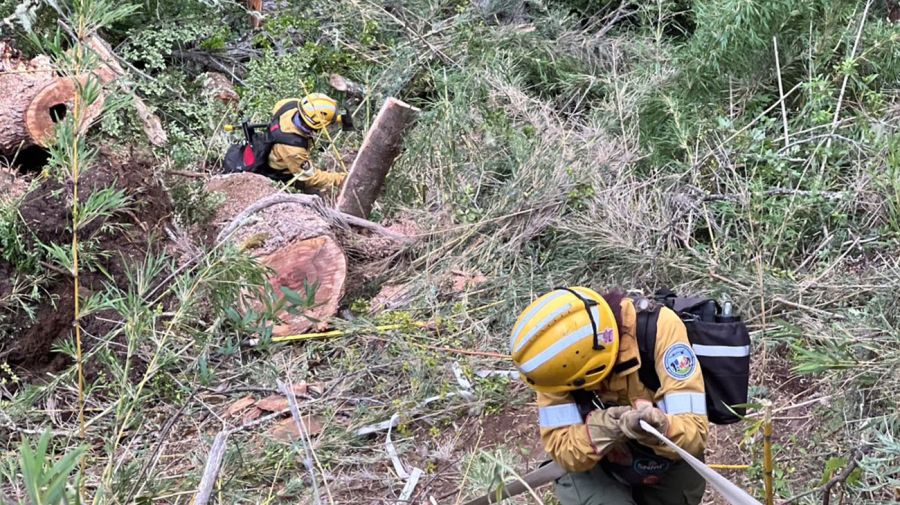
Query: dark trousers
(680, 485)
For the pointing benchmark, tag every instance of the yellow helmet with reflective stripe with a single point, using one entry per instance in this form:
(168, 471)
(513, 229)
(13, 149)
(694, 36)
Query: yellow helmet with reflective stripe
(318, 110)
(565, 340)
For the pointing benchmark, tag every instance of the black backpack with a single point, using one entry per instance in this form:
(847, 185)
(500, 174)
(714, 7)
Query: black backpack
(720, 341)
(252, 155)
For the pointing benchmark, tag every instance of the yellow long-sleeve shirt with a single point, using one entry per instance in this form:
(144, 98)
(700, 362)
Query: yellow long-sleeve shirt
(681, 396)
(295, 159)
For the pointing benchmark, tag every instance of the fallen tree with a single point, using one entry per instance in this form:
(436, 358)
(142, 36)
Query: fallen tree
(34, 98)
(296, 236)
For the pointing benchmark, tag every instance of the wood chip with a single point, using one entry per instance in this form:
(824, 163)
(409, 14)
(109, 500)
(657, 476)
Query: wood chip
(251, 415)
(239, 405)
(286, 429)
(277, 403)
(274, 403)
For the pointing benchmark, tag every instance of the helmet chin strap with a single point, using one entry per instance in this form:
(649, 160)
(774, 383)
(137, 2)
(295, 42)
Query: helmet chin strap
(300, 124)
(588, 303)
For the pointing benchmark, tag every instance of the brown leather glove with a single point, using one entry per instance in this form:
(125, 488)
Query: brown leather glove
(603, 428)
(630, 425)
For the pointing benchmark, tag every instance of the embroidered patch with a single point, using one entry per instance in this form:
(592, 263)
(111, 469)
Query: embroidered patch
(680, 361)
(607, 336)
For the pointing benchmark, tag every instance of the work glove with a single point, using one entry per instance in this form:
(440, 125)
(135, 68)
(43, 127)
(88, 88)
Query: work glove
(630, 423)
(323, 180)
(603, 428)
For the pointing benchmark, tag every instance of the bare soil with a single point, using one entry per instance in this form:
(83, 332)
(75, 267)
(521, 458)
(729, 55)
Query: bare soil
(129, 235)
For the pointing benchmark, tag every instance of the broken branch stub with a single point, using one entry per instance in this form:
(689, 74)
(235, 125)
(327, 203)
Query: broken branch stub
(380, 148)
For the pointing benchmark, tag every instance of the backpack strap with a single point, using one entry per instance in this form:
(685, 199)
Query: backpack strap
(286, 108)
(646, 337)
(278, 136)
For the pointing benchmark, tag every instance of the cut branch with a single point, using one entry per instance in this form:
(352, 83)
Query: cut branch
(113, 71)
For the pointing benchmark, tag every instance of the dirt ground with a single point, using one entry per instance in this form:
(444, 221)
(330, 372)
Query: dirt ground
(130, 234)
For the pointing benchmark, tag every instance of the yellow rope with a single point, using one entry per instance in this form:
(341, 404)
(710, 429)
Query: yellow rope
(341, 333)
(729, 467)
(768, 463)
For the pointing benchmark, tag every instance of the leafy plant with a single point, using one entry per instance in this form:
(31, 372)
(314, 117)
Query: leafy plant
(49, 482)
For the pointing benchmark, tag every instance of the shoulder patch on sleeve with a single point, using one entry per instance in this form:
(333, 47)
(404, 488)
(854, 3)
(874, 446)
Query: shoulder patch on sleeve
(680, 361)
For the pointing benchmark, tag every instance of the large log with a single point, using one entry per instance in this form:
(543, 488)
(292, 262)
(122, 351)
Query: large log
(33, 98)
(293, 240)
(380, 148)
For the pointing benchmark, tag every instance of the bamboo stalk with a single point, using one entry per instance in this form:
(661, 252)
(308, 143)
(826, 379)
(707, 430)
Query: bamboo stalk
(768, 464)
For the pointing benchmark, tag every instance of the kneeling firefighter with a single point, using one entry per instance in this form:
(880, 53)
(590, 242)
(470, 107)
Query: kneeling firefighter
(282, 151)
(578, 350)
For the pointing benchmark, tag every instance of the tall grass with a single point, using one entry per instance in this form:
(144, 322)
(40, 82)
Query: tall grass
(562, 143)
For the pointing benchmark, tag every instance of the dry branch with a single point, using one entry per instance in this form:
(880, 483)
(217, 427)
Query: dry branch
(378, 152)
(111, 71)
(213, 466)
(314, 203)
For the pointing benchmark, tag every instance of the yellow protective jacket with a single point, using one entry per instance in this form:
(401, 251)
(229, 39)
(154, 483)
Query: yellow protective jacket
(563, 432)
(295, 159)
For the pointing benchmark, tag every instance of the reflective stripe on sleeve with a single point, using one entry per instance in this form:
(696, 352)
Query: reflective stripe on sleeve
(557, 416)
(683, 403)
(721, 351)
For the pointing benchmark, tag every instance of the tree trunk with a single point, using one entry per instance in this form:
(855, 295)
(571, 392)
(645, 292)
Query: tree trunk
(255, 7)
(378, 152)
(33, 98)
(293, 240)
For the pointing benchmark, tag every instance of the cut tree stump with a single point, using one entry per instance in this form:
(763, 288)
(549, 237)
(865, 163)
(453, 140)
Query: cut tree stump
(294, 241)
(380, 148)
(33, 98)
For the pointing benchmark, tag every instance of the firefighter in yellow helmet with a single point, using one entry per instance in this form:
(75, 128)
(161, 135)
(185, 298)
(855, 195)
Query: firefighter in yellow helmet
(578, 350)
(303, 119)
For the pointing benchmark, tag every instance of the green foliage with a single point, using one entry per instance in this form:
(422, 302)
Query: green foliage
(193, 204)
(47, 482)
(276, 76)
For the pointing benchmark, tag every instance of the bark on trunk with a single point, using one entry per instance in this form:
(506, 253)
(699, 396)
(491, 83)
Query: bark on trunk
(380, 148)
(294, 241)
(255, 7)
(33, 98)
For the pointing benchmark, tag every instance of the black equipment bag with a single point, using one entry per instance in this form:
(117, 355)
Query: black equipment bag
(721, 343)
(252, 155)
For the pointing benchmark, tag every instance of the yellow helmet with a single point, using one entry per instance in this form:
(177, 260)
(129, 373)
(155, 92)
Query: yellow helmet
(318, 110)
(565, 340)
